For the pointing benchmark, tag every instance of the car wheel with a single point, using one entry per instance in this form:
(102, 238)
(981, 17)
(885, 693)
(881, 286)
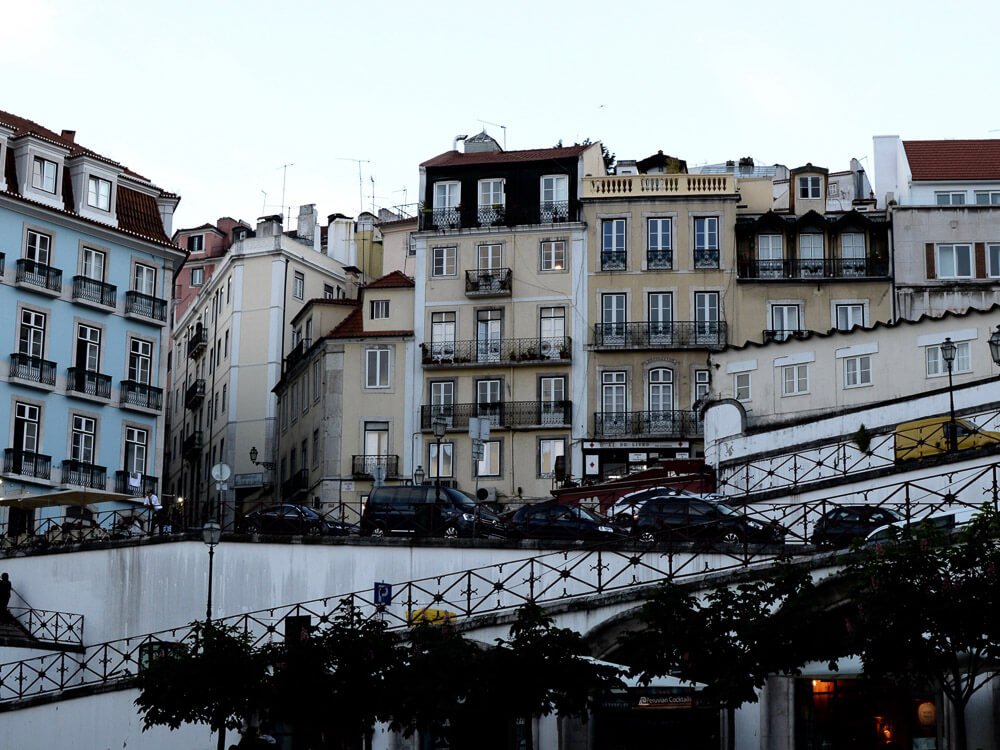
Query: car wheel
(451, 531)
(731, 537)
(647, 537)
(253, 528)
(314, 530)
(378, 531)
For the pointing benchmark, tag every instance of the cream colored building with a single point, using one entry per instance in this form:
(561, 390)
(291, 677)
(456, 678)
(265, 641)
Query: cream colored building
(343, 418)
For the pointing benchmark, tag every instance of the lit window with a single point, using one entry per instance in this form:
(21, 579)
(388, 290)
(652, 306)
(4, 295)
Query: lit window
(795, 380)
(43, 175)
(741, 386)
(936, 366)
(553, 256)
(809, 187)
(377, 367)
(857, 371)
(380, 309)
(99, 193)
(954, 261)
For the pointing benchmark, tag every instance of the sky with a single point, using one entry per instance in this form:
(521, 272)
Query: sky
(212, 99)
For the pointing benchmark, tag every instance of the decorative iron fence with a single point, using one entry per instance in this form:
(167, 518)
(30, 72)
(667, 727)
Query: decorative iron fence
(496, 351)
(95, 291)
(505, 414)
(677, 334)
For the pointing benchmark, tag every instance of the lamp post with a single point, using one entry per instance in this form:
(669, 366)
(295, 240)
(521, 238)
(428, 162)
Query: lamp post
(948, 351)
(439, 426)
(211, 533)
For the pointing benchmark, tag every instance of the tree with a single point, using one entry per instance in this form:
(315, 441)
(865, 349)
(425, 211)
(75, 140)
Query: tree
(218, 679)
(606, 154)
(923, 610)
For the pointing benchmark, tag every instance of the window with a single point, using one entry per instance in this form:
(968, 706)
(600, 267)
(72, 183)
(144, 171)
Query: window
(987, 197)
(380, 309)
(489, 335)
(659, 248)
(196, 243)
(661, 315)
(809, 187)
(549, 449)
(93, 264)
(852, 254)
(99, 193)
(553, 255)
(82, 445)
(26, 420)
(411, 245)
(552, 331)
(954, 261)
(785, 321)
(446, 195)
(613, 245)
(225, 345)
(31, 338)
(613, 392)
(660, 393)
(225, 389)
(552, 396)
(444, 261)
(489, 465)
(197, 276)
(706, 242)
(43, 174)
(857, 371)
(315, 448)
(554, 196)
(950, 198)
(491, 194)
(795, 380)
(38, 247)
(770, 256)
(811, 254)
(741, 386)
(702, 384)
(440, 465)
(328, 292)
(136, 440)
(443, 335)
(706, 317)
(936, 366)
(442, 399)
(849, 315)
(317, 381)
(140, 361)
(993, 260)
(299, 285)
(144, 279)
(88, 350)
(377, 367)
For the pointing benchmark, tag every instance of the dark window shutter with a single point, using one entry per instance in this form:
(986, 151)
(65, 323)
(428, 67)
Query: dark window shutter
(931, 268)
(980, 260)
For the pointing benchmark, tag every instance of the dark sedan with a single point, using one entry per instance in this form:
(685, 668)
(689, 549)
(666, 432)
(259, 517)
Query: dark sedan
(292, 519)
(689, 518)
(555, 521)
(842, 526)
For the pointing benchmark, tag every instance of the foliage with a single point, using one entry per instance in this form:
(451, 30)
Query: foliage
(218, 679)
(924, 609)
(863, 438)
(606, 154)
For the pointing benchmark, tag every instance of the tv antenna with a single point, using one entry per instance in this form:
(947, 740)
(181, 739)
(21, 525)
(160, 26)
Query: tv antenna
(361, 194)
(284, 177)
(497, 125)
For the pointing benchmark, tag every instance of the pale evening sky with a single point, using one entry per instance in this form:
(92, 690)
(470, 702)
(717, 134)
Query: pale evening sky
(209, 99)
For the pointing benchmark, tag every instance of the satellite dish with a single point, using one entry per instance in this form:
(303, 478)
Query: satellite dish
(221, 472)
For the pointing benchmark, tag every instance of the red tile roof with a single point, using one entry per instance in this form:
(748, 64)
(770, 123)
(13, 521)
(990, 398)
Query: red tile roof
(954, 160)
(353, 327)
(24, 126)
(457, 159)
(394, 280)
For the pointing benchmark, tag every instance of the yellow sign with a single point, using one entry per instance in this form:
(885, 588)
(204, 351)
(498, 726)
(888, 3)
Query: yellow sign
(431, 616)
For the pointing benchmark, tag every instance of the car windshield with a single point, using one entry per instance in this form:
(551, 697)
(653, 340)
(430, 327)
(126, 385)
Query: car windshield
(461, 500)
(584, 514)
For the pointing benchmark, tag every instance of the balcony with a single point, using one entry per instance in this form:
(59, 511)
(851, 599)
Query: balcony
(84, 475)
(501, 414)
(488, 282)
(660, 260)
(297, 353)
(295, 486)
(706, 257)
(193, 443)
(195, 394)
(682, 425)
(141, 395)
(145, 306)
(817, 268)
(490, 215)
(197, 342)
(491, 352)
(26, 463)
(445, 218)
(653, 185)
(32, 369)
(39, 275)
(96, 292)
(125, 483)
(774, 334)
(88, 383)
(363, 467)
(550, 212)
(680, 334)
(613, 260)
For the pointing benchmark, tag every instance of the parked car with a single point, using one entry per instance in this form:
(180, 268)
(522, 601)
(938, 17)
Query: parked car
(841, 526)
(929, 437)
(625, 510)
(407, 509)
(686, 517)
(551, 520)
(946, 522)
(292, 519)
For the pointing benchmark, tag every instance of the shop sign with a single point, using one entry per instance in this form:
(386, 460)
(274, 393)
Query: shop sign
(253, 479)
(633, 445)
(665, 701)
(634, 458)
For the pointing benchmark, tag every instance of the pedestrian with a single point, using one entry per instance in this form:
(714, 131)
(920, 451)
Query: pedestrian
(5, 589)
(153, 508)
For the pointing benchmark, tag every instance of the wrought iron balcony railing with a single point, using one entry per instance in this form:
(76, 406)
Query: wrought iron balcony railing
(488, 282)
(26, 463)
(295, 485)
(38, 274)
(445, 218)
(775, 334)
(298, 351)
(706, 257)
(661, 260)
(496, 351)
(84, 474)
(145, 306)
(679, 334)
(550, 212)
(32, 369)
(88, 382)
(193, 442)
(141, 394)
(363, 467)
(197, 343)
(127, 483)
(505, 414)
(815, 268)
(92, 290)
(613, 260)
(490, 215)
(665, 424)
(195, 394)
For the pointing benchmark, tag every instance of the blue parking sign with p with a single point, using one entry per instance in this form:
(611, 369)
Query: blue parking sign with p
(383, 593)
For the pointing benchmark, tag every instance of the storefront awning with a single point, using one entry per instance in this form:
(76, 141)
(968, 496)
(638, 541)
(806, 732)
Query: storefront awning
(66, 497)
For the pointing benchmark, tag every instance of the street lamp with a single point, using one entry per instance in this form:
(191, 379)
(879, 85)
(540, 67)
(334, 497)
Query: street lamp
(418, 476)
(211, 533)
(995, 345)
(269, 465)
(440, 427)
(948, 351)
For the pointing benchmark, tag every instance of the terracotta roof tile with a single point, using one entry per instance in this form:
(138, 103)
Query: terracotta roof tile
(353, 327)
(394, 280)
(954, 160)
(457, 159)
(138, 212)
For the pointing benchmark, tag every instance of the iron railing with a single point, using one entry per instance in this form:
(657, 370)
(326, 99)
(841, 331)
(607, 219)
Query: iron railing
(297, 353)
(146, 306)
(27, 463)
(295, 485)
(783, 334)
(813, 268)
(505, 414)
(193, 442)
(490, 215)
(84, 475)
(488, 282)
(60, 628)
(38, 274)
(198, 341)
(550, 212)
(33, 369)
(614, 260)
(678, 334)
(659, 259)
(95, 291)
(496, 351)
(124, 483)
(363, 467)
(706, 257)
(79, 380)
(194, 394)
(671, 424)
(141, 394)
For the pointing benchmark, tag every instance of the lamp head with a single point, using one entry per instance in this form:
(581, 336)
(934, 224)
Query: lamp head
(253, 455)
(948, 350)
(211, 533)
(995, 345)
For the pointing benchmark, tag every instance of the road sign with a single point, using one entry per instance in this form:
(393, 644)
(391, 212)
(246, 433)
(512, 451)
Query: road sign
(383, 593)
(477, 450)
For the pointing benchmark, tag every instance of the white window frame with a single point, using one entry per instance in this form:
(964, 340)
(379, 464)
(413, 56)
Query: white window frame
(83, 438)
(848, 308)
(99, 193)
(38, 247)
(742, 383)
(444, 261)
(380, 309)
(44, 174)
(659, 235)
(944, 251)
(491, 464)
(196, 243)
(992, 197)
(935, 366)
(491, 192)
(447, 194)
(299, 285)
(702, 384)
(949, 197)
(32, 333)
(447, 463)
(94, 263)
(615, 240)
(378, 363)
(140, 361)
(810, 187)
(549, 449)
(858, 371)
(552, 255)
(795, 380)
(197, 277)
(144, 279)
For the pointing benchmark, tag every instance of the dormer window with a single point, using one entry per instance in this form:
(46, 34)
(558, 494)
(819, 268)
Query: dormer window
(43, 174)
(809, 187)
(196, 243)
(99, 193)
(380, 309)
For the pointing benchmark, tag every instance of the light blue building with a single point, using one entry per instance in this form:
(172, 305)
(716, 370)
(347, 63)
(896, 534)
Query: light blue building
(87, 267)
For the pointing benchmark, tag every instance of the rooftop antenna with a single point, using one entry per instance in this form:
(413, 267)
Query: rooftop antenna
(361, 194)
(284, 176)
(497, 125)
(263, 207)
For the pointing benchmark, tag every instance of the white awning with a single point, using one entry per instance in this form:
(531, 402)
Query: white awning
(66, 497)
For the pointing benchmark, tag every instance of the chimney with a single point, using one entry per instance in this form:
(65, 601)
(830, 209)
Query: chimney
(306, 227)
(269, 226)
(69, 135)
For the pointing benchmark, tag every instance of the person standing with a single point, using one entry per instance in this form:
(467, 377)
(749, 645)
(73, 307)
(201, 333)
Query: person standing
(153, 508)
(5, 589)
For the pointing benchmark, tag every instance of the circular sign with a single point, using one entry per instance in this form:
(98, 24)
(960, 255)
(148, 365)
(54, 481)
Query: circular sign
(221, 472)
